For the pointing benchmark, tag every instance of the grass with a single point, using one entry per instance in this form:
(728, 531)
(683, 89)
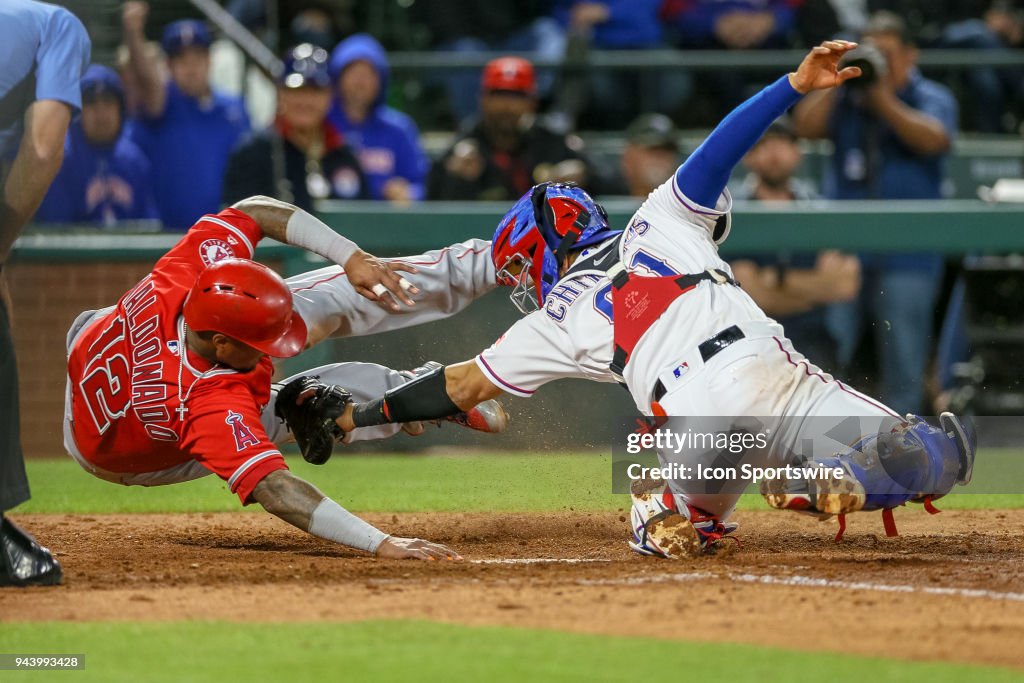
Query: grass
(505, 482)
(424, 651)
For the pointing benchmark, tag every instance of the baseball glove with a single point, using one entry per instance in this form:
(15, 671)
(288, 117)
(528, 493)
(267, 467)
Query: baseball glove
(312, 423)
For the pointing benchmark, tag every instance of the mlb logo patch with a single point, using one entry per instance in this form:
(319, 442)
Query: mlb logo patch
(681, 370)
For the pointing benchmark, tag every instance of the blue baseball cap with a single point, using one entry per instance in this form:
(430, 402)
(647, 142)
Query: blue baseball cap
(101, 80)
(306, 65)
(179, 35)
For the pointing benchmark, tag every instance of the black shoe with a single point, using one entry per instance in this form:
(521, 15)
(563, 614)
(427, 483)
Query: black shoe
(23, 562)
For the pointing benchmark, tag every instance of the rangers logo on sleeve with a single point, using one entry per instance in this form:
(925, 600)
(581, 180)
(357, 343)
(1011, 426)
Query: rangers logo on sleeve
(243, 435)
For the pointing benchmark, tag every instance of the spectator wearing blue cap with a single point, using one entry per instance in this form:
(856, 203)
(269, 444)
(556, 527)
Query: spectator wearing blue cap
(386, 140)
(187, 129)
(105, 177)
(302, 157)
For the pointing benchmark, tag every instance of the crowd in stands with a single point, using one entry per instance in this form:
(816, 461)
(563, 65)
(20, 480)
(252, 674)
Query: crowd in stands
(157, 142)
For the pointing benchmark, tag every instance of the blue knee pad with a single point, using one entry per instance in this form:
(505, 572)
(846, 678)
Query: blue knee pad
(905, 464)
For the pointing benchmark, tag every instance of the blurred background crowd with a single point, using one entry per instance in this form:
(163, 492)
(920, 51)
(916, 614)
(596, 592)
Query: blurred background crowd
(169, 90)
(180, 117)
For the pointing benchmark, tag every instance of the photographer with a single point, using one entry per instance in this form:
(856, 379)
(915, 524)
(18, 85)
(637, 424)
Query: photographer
(892, 129)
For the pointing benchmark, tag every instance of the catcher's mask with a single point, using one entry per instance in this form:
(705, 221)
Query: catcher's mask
(249, 302)
(534, 238)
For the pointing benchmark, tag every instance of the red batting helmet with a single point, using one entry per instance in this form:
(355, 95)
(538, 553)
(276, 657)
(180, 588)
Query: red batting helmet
(249, 302)
(510, 74)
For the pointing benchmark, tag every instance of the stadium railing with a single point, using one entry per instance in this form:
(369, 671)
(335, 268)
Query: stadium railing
(700, 60)
(948, 226)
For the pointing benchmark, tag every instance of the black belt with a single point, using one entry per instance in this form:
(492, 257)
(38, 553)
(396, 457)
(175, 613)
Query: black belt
(708, 348)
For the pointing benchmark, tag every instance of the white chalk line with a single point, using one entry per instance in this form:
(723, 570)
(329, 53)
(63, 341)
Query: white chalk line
(810, 582)
(540, 560)
(763, 579)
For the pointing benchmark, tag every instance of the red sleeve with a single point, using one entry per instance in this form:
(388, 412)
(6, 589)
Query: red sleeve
(225, 434)
(214, 237)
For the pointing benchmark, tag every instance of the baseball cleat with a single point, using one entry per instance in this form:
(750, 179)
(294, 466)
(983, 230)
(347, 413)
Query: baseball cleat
(660, 530)
(489, 416)
(820, 497)
(966, 442)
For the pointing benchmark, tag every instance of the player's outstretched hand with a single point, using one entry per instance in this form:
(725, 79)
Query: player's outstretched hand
(377, 281)
(820, 68)
(395, 548)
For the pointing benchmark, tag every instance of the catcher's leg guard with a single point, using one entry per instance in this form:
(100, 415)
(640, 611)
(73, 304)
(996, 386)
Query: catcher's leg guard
(913, 462)
(661, 530)
(488, 416)
(963, 435)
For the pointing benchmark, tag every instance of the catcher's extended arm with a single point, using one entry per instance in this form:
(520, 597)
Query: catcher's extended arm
(443, 391)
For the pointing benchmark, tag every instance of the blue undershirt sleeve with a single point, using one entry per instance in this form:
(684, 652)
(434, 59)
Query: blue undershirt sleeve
(704, 175)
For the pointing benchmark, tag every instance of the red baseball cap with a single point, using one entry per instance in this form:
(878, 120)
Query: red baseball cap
(512, 74)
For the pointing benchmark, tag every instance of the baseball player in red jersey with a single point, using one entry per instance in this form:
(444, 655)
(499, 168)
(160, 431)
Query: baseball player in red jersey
(655, 308)
(174, 382)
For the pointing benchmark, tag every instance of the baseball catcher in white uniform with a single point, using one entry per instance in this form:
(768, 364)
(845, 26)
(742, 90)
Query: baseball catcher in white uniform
(655, 308)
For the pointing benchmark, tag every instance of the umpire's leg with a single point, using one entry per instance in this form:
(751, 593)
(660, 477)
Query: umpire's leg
(22, 561)
(13, 482)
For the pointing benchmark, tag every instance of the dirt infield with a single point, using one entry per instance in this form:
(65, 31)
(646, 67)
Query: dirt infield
(951, 587)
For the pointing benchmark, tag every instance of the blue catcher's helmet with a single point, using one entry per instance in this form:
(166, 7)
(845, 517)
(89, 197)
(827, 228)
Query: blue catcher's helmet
(536, 235)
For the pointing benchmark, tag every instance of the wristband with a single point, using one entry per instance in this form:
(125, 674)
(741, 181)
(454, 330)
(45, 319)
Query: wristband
(307, 231)
(369, 414)
(332, 522)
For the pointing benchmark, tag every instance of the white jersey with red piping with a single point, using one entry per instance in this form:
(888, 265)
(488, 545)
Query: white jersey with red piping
(572, 335)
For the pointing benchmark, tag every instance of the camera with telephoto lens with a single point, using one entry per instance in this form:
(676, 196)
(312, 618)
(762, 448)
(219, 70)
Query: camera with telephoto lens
(871, 61)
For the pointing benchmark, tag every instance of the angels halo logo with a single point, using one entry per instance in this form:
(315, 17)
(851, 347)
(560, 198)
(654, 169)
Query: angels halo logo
(213, 250)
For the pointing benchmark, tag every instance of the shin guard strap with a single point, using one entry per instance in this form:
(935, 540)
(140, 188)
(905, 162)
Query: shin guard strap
(842, 528)
(889, 522)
